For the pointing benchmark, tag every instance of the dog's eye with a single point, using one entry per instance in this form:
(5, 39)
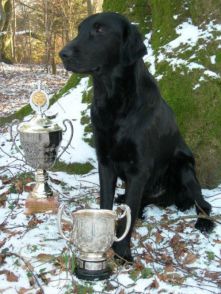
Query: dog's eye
(98, 28)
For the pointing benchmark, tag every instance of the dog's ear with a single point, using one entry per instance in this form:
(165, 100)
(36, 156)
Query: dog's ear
(133, 47)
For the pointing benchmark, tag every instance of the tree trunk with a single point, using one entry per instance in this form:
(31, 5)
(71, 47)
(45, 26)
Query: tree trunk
(5, 38)
(90, 8)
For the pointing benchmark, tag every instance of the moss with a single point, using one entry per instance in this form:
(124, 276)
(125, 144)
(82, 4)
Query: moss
(198, 111)
(163, 21)
(26, 110)
(138, 11)
(198, 115)
(218, 57)
(85, 117)
(207, 10)
(73, 168)
(72, 82)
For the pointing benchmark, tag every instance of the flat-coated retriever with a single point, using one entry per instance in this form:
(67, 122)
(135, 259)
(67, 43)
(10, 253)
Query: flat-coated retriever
(136, 135)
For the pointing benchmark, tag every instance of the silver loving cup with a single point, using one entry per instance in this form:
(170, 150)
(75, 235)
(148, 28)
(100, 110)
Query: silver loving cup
(40, 139)
(93, 232)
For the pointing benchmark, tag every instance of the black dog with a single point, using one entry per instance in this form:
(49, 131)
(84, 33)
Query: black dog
(136, 135)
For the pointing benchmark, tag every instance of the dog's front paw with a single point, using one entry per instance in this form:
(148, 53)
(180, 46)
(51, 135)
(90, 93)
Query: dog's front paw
(204, 225)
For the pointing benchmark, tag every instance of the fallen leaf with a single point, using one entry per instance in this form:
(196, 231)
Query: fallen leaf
(19, 186)
(178, 245)
(169, 268)
(159, 237)
(3, 198)
(166, 258)
(213, 275)
(23, 290)
(190, 258)
(172, 278)
(2, 258)
(6, 181)
(34, 221)
(11, 277)
(2, 242)
(45, 257)
(154, 284)
(148, 257)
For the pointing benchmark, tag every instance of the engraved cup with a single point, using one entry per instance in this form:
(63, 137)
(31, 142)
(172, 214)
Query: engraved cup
(93, 232)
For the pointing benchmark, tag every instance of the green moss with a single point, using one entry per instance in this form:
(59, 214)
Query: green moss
(138, 11)
(218, 57)
(198, 115)
(26, 110)
(85, 117)
(164, 22)
(87, 95)
(206, 10)
(72, 82)
(73, 168)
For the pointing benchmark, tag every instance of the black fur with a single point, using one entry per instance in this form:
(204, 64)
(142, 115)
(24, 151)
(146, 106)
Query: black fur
(136, 135)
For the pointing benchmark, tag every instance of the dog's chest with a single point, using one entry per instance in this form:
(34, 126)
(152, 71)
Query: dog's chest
(116, 147)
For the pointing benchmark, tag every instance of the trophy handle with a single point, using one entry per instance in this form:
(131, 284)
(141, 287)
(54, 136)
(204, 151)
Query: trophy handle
(63, 215)
(127, 213)
(71, 136)
(13, 139)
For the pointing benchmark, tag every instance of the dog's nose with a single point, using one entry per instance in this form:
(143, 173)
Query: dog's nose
(65, 53)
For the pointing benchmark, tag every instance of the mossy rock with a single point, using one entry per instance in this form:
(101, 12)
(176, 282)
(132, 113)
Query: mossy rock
(137, 11)
(198, 110)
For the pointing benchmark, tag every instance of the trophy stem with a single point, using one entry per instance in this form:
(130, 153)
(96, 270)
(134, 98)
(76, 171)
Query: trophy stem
(41, 188)
(42, 198)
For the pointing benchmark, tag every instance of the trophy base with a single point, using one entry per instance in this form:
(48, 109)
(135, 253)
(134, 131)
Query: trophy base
(34, 205)
(91, 275)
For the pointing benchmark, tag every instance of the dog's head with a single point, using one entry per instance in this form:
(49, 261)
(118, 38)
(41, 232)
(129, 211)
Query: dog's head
(104, 40)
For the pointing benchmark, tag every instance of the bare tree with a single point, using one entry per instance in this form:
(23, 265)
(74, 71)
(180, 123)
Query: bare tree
(5, 38)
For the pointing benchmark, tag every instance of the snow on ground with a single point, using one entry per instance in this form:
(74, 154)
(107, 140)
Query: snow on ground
(81, 151)
(170, 256)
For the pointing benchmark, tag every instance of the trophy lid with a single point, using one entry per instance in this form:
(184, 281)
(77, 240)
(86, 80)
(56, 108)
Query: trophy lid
(39, 123)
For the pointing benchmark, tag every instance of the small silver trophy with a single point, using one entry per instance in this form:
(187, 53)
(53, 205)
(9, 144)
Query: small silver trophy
(40, 139)
(92, 233)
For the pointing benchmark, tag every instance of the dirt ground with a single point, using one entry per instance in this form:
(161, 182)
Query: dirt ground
(18, 81)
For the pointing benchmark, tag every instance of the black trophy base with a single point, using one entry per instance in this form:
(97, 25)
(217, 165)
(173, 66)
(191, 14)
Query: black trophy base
(91, 275)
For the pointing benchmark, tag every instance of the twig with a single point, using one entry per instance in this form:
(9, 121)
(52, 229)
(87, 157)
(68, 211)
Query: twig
(9, 254)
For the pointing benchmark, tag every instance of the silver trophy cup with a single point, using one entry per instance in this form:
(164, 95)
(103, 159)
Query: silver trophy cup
(93, 232)
(40, 138)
